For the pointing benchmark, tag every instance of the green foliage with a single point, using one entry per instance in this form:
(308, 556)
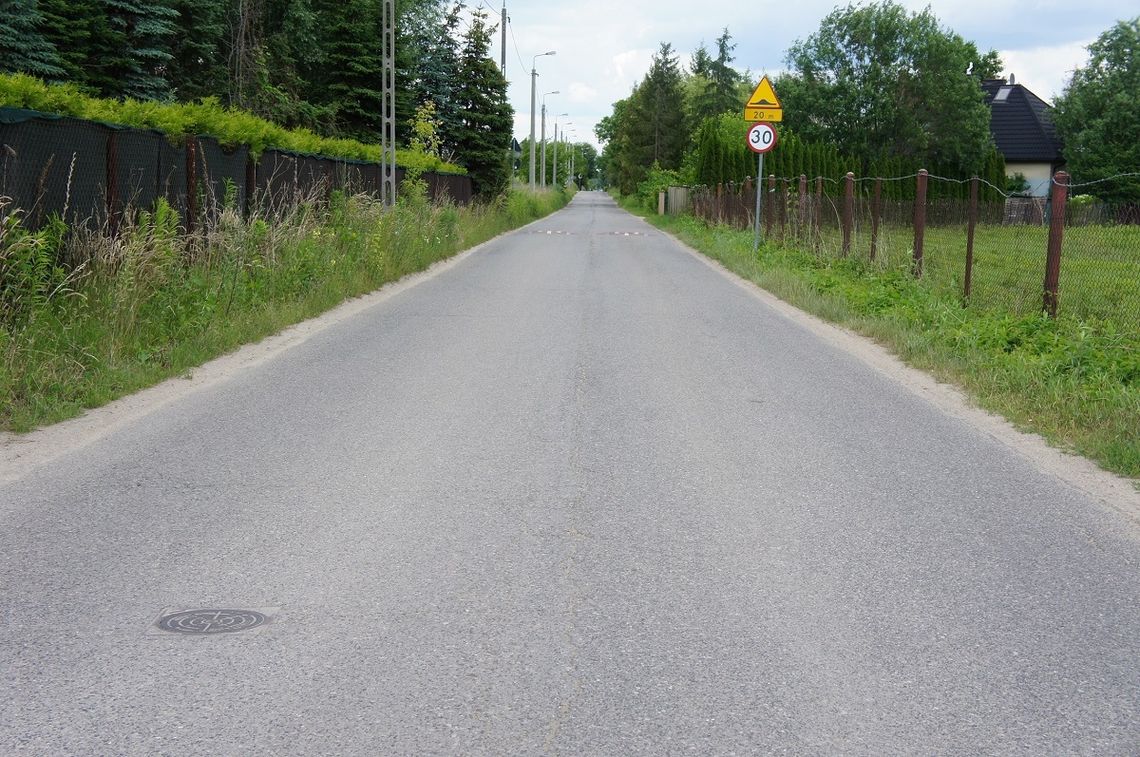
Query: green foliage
(30, 273)
(879, 81)
(648, 127)
(22, 46)
(720, 154)
(482, 142)
(719, 83)
(145, 29)
(657, 180)
(230, 126)
(1098, 116)
(198, 67)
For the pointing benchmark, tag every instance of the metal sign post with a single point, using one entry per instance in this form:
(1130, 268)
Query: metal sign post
(761, 139)
(759, 203)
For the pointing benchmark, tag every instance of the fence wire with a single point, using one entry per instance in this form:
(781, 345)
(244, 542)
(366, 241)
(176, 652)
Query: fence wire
(1005, 268)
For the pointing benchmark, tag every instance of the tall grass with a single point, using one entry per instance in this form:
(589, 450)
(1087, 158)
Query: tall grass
(86, 317)
(1075, 380)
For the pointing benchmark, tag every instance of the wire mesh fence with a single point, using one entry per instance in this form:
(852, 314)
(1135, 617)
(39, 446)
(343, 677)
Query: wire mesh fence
(91, 174)
(991, 250)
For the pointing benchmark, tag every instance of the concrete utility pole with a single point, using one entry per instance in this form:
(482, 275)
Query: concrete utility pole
(503, 28)
(555, 92)
(533, 80)
(388, 108)
(555, 180)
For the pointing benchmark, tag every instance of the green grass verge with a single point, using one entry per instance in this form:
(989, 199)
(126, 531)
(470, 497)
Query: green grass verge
(1074, 380)
(129, 312)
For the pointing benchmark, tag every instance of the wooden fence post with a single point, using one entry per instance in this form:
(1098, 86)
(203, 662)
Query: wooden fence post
(876, 211)
(972, 224)
(848, 210)
(1057, 202)
(919, 220)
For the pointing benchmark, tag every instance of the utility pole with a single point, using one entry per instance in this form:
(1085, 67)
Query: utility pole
(554, 181)
(388, 109)
(533, 81)
(555, 92)
(504, 35)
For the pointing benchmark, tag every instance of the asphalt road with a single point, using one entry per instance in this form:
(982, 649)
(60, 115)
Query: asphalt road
(578, 494)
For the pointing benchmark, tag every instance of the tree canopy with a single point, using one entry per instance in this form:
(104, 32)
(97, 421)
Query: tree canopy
(879, 80)
(1098, 115)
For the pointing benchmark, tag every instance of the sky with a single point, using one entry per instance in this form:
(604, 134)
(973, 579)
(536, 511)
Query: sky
(604, 47)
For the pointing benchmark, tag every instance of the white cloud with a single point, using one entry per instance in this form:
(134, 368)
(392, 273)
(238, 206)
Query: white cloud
(1046, 71)
(605, 46)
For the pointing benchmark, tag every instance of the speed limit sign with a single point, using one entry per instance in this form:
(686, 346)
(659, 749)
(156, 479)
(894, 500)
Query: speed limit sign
(761, 137)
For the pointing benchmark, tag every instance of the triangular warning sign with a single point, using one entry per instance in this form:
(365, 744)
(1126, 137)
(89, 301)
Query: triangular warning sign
(764, 97)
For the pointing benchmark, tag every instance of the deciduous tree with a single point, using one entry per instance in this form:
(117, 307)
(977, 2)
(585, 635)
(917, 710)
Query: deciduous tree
(1098, 116)
(878, 79)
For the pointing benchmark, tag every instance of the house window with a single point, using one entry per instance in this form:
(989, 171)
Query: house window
(1002, 94)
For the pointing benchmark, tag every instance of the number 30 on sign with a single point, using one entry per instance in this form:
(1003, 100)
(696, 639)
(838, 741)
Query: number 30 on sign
(761, 137)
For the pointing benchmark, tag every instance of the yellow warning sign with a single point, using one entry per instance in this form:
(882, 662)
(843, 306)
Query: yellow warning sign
(763, 105)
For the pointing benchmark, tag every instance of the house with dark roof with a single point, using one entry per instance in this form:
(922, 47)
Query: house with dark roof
(1022, 127)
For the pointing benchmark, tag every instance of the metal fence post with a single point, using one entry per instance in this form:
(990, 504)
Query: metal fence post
(848, 210)
(919, 220)
(191, 184)
(876, 211)
(250, 184)
(972, 225)
(768, 206)
(817, 212)
(1059, 198)
(783, 209)
(112, 187)
(801, 210)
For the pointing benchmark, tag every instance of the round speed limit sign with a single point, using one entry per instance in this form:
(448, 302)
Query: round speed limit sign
(761, 137)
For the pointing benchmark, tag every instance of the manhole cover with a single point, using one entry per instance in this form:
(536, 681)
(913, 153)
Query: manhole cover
(211, 621)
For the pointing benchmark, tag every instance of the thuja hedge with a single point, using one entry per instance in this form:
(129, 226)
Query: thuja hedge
(177, 121)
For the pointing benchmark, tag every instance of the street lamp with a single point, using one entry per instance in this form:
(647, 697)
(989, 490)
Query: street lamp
(533, 79)
(573, 155)
(555, 180)
(555, 92)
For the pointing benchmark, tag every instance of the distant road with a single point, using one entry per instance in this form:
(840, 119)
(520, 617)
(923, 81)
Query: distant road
(578, 494)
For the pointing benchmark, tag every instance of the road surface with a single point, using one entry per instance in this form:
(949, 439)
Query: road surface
(577, 494)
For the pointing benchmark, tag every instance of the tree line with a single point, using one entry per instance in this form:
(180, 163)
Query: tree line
(877, 90)
(314, 64)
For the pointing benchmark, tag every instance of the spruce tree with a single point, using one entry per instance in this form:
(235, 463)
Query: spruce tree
(487, 116)
(197, 68)
(81, 34)
(22, 47)
(146, 31)
(354, 67)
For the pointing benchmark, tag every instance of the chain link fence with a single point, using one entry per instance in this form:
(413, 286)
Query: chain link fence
(91, 174)
(968, 239)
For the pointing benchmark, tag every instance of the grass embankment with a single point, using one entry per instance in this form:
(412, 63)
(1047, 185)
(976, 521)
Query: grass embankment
(125, 313)
(1074, 381)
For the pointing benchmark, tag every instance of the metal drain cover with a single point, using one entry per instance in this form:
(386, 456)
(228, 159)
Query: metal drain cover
(211, 621)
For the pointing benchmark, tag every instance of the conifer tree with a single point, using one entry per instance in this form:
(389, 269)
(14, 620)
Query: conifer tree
(485, 135)
(22, 47)
(197, 67)
(145, 30)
